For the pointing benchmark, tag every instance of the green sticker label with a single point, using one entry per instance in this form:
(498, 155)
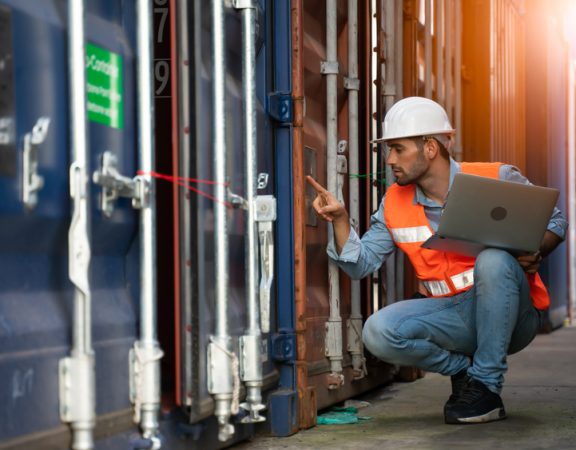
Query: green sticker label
(104, 86)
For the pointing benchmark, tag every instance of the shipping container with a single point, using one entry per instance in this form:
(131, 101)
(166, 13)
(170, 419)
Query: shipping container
(163, 277)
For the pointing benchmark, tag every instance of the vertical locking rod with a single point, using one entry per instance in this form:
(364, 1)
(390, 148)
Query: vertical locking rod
(77, 391)
(146, 354)
(221, 359)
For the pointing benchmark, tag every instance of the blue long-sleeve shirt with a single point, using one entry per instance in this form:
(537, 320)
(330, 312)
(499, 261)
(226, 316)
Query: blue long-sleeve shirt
(361, 257)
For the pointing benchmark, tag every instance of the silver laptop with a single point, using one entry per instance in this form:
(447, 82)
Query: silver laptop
(483, 212)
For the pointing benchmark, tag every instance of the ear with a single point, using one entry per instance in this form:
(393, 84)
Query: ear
(431, 149)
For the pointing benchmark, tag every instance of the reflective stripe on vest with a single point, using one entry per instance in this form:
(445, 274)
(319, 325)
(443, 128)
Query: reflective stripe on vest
(411, 235)
(460, 281)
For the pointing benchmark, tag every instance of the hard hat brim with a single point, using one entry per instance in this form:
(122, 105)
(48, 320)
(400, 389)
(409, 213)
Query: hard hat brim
(428, 133)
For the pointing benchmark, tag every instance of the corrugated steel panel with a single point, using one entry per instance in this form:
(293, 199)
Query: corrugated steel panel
(507, 68)
(476, 103)
(537, 127)
(430, 55)
(494, 83)
(36, 297)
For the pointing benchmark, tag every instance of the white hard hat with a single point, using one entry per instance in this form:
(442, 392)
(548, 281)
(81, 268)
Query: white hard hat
(415, 116)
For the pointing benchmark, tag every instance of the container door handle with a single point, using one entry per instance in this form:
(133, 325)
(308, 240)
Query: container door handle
(342, 169)
(32, 182)
(115, 185)
(265, 213)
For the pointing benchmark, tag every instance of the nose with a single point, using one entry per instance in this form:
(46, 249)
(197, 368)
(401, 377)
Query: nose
(391, 158)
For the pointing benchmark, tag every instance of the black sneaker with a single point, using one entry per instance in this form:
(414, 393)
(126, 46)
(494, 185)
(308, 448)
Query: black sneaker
(459, 382)
(475, 404)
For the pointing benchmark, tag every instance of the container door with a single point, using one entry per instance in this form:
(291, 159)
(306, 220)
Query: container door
(114, 271)
(314, 150)
(194, 238)
(36, 296)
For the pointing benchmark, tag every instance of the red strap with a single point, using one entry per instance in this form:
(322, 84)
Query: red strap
(183, 181)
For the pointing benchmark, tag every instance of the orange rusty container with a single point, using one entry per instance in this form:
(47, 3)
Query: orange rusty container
(311, 260)
(494, 85)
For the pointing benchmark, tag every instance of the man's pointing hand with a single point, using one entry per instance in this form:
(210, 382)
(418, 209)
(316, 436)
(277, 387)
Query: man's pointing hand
(325, 203)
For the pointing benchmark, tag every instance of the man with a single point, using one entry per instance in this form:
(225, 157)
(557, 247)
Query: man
(476, 310)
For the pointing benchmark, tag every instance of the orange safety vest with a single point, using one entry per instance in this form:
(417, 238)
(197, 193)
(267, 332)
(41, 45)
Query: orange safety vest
(441, 273)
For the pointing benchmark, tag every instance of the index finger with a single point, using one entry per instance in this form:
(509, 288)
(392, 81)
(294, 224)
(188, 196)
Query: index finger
(317, 186)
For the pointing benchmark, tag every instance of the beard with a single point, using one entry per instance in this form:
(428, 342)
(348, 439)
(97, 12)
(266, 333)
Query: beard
(414, 173)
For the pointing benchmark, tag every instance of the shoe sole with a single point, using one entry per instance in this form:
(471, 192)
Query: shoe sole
(491, 416)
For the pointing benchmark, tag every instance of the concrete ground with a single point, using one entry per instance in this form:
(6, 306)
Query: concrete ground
(539, 396)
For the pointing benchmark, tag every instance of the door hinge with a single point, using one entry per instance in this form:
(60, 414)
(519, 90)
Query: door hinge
(284, 347)
(280, 106)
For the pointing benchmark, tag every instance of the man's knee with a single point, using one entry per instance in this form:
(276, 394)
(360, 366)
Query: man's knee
(370, 334)
(379, 336)
(493, 263)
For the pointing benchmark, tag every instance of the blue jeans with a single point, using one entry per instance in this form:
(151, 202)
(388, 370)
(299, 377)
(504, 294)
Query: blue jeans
(474, 330)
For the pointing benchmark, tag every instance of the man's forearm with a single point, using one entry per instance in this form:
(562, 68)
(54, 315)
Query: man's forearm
(341, 232)
(549, 243)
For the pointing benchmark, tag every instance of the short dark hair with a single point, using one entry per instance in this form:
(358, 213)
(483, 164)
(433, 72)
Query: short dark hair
(419, 141)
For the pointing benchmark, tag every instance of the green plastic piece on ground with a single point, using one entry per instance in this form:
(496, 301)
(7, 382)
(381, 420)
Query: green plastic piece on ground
(340, 416)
